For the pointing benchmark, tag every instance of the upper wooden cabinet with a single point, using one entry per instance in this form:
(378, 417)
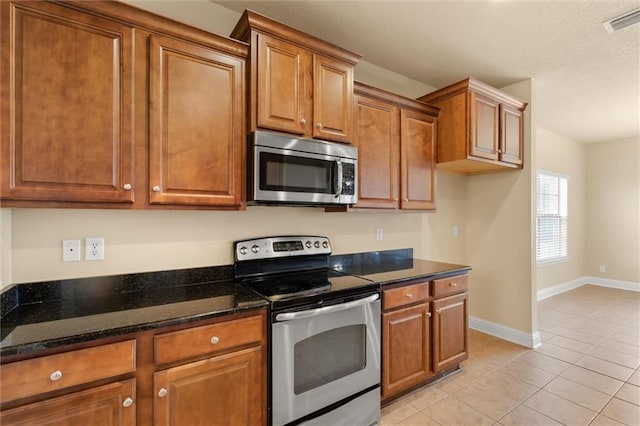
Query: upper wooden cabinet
(396, 140)
(67, 110)
(110, 106)
(298, 84)
(480, 128)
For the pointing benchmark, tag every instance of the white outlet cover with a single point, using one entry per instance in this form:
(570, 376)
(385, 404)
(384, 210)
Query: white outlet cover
(70, 250)
(379, 234)
(94, 249)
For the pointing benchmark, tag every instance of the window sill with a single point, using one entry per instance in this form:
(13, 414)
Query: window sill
(553, 261)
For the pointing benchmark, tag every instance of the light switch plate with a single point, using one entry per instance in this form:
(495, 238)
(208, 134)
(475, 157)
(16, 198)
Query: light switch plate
(70, 250)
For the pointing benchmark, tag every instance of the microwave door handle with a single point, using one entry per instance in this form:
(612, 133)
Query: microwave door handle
(288, 316)
(339, 184)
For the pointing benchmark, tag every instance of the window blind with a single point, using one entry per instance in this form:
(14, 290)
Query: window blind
(551, 217)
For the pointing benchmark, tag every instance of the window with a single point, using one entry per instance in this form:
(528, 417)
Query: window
(551, 217)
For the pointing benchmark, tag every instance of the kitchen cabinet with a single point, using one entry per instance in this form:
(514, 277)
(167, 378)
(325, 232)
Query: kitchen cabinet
(298, 84)
(38, 379)
(110, 106)
(406, 338)
(210, 372)
(481, 128)
(425, 332)
(450, 323)
(396, 141)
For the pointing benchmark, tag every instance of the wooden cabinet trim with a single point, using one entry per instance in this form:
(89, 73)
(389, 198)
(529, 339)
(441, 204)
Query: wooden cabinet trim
(400, 101)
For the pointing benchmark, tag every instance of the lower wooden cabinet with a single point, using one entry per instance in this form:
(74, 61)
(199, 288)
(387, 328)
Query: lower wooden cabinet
(450, 332)
(406, 348)
(107, 405)
(223, 390)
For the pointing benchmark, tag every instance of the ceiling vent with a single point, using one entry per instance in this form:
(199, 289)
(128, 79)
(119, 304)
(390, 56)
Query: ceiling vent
(622, 21)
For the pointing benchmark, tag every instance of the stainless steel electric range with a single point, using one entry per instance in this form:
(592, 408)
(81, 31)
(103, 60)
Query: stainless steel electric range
(325, 332)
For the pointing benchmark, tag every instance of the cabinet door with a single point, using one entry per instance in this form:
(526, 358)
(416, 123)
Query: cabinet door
(284, 86)
(196, 125)
(107, 405)
(224, 390)
(332, 99)
(418, 135)
(450, 332)
(378, 141)
(67, 84)
(512, 134)
(406, 348)
(483, 126)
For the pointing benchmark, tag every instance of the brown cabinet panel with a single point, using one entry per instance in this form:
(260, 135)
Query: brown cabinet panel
(225, 390)
(107, 405)
(378, 141)
(405, 295)
(483, 132)
(452, 285)
(196, 131)
(406, 348)
(282, 74)
(332, 99)
(67, 85)
(511, 138)
(450, 332)
(417, 160)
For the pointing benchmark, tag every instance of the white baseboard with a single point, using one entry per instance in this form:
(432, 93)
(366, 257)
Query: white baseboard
(506, 333)
(570, 285)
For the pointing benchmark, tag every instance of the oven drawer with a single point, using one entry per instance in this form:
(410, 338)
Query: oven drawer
(197, 341)
(49, 373)
(452, 285)
(407, 295)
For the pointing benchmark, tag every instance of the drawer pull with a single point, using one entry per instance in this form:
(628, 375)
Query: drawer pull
(452, 284)
(162, 392)
(214, 340)
(128, 402)
(409, 295)
(56, 375)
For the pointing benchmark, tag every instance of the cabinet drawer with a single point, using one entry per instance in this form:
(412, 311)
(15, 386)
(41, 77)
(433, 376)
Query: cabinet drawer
(45, 374)
(406, 295)
(452, 285)
(206, 339)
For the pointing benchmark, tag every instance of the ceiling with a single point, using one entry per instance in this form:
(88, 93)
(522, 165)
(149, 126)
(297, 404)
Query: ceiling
(587, 80)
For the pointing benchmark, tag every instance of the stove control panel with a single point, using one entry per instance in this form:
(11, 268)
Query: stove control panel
(276, 247)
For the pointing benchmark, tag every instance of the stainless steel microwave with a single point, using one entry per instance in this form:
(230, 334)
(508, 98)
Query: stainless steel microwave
(284, 169)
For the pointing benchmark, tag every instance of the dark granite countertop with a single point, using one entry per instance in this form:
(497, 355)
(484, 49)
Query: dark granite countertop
(39, 316)
(51, 314)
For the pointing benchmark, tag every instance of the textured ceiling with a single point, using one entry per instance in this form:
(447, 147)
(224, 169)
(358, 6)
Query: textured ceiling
(588, 81)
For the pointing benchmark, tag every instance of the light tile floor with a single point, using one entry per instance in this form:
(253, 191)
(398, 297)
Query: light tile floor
(585, 373)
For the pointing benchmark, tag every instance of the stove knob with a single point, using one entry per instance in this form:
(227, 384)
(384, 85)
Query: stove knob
(243, 250)
(308, 244)
(325, 244)
(255, 248)
(317, 244)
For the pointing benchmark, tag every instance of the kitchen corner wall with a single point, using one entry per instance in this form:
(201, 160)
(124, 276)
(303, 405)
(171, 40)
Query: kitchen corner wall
(613, 206)
(558, 154)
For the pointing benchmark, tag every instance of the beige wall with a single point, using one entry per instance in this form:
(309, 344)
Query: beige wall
(613, 205)
(561, 155)
(500, 246)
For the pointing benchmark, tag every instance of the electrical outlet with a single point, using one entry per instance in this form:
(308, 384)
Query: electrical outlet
(379, 234)
(603, 268)
(70, 250)
(94, 249)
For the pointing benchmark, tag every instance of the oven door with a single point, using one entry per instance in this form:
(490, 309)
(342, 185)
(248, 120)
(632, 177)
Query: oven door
(324, 355)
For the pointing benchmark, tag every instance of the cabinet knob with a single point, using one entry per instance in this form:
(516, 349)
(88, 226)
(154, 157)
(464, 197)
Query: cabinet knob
(319, 125)
(162, 392)
(303, 121)
(499, 151)
(406, 199)
(156, 188)
(127, 186)
(214, 340)
(128, 402)
(409, 295)
(428, 314)
(452, 284)
(438, 311)
(395, 199)
(56, 375)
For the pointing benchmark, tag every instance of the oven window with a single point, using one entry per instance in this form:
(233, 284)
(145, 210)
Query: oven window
(296, 174)
(329, 356)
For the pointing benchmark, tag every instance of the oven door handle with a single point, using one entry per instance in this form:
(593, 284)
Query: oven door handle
(288, 316)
